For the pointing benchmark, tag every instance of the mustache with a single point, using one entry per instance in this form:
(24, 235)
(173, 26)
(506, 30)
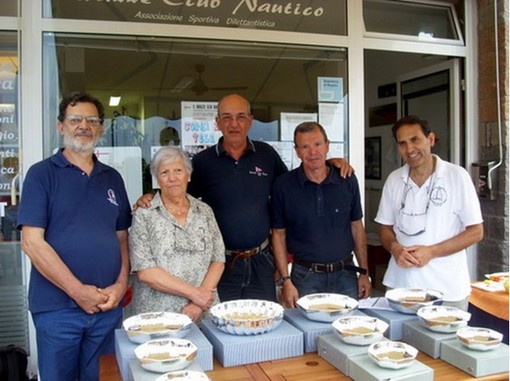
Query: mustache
(83, 133)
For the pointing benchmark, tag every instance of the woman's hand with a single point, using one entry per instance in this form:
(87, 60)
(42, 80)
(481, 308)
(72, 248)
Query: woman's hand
(203, 297)
(193, 311)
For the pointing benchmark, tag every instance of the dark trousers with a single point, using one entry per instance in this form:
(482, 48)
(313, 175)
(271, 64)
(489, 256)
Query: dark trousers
(250, 278)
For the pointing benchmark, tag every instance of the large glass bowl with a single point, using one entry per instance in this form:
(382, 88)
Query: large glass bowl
(156, 325)
(247, 316)
(326, 307)
(410, 300)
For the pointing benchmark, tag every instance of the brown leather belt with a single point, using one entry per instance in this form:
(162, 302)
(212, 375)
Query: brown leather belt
(243, 254)
(344, 264)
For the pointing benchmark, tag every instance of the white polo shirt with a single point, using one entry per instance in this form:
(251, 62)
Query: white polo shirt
(443, 206)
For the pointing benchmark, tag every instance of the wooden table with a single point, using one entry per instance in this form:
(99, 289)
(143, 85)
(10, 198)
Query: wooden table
(489, 310)
(303, 368)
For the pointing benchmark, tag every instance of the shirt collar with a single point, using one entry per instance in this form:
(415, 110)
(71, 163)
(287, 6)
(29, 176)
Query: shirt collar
(221, 151)
(331, 178)
(59, 160)
(439, 170)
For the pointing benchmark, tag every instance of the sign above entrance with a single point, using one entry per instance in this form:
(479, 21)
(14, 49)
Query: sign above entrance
(319, 16)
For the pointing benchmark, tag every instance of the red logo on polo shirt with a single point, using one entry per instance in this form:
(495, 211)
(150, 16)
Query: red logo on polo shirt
(258, 171)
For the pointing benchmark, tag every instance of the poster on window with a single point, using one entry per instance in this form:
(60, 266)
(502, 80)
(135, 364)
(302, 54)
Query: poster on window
(198, 126)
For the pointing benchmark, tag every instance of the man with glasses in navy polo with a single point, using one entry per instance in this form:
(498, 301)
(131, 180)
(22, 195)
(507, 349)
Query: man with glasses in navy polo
(74, 216)
(429, 214)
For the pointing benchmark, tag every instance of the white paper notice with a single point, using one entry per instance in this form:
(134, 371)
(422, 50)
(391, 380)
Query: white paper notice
(331, 117)
(289, 122)
(286, 151)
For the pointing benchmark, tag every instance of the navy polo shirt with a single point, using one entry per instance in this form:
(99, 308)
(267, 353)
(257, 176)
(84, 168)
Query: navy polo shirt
(238, 190)
(80, 215)
(317, 217)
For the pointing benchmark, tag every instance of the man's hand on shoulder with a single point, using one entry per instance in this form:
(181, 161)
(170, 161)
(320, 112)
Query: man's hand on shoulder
(144, 201)
(343, 165)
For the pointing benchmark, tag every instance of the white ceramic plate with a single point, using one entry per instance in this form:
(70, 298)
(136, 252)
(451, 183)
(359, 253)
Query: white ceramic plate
(392, 354)
(410, 300)
(498, 277)
(326, 307)
(156, 325)
(359, 330)
(443, 318)
(479, 339)
(247, 316)
(166, 355)
(183, 375)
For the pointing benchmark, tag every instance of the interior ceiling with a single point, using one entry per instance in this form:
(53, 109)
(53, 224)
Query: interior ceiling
(161, 72)
(174, 71)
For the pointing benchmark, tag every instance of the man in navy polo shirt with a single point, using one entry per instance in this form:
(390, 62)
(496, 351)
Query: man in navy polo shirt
(235, 177)
(317, 216)
(74, 215)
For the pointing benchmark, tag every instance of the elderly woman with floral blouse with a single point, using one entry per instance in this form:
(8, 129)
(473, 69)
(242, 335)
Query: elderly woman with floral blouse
(176, 248)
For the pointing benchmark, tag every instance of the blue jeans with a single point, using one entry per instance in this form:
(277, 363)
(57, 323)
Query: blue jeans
(250, 278)
(339, 282)
(70, 342)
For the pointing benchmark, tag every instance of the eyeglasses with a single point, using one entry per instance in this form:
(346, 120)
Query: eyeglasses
(239, 118)
(412, 220)
(75, 120)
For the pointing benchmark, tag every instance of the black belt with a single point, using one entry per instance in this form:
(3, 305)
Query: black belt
(344, 264)
(243, 254)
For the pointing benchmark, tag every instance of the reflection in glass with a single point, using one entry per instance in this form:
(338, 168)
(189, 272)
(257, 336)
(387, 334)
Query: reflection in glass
(156, 77)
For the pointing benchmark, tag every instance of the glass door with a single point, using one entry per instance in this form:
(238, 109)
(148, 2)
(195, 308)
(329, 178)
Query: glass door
(13, 299)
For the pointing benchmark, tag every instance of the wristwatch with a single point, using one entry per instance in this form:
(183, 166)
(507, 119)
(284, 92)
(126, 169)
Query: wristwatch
(282, 280)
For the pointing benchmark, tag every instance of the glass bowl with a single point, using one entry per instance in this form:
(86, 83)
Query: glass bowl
(326, 307)
(410, 300)
(247, 316)
(479, 339)
(156, 325)
(183, 375)
(392, 354)
(166, 355)
(359, 330)
(443, 318)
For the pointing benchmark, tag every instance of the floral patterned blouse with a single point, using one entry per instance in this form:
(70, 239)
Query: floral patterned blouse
(156, 239)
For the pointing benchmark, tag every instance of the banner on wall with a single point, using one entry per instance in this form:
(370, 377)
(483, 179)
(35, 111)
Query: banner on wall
(319, 16)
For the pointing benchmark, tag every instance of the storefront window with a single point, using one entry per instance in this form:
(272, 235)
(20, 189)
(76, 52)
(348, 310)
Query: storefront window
(13, 317)
(168, 90)
(422, 21)
(9, 8)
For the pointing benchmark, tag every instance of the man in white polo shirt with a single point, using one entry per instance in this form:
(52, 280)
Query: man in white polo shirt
(429, 214)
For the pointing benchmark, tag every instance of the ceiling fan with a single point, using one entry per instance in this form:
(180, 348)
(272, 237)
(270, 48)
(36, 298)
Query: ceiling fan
(198, 84)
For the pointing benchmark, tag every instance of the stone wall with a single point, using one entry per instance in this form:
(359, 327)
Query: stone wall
(493, 250)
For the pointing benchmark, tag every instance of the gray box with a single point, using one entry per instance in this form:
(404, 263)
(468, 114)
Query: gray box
(476, 363)
(395, 320)
(311, 329)
(423, 339)
(362, 368)
(231, 350)
(125, 350)
(137, 373)
(337, 353)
